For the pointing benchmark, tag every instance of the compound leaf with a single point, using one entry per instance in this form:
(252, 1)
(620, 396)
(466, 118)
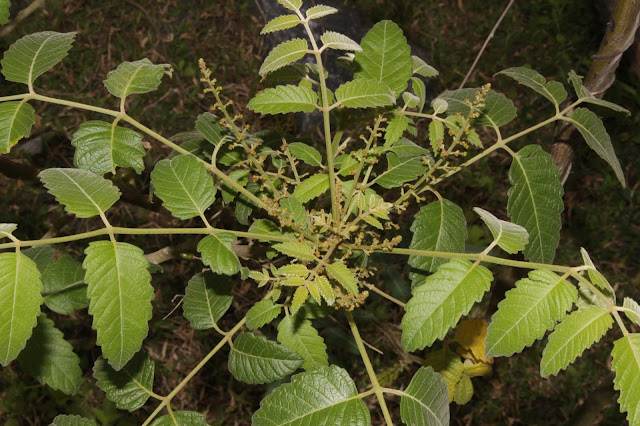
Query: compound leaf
(334, 40)
(302, 337)
(553, 90)
(83, 193)
(385, 57)
(217, 253)
(34, 54)
(528, 310)
(312, 187)
(206, 299)
(345, 276)
(50, 358)
(626, 365)
(312, 398)
(498, 110)
(535, 201)
(510, 237)
(280, 23)
(440, 226)
(262, 313)
(101, 146)
(20, 302)
(130, 387)
(255, 359)
(320, 11)
(572, 336)
(441, 300)
(120, 295)
(284, 54)
(364, 93)
(426, 400)
(16, 121)
(134, 78)
(64, 289)
(72, 420)
(284, 99)
(184, 186)
(182, 418)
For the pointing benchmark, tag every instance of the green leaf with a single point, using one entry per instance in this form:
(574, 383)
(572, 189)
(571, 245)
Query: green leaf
(299, 335)
(426, 400)
(464, 390)
(184, 185)
(586, 96)
(345, 276)
(291, 4)
(41, 255)
(34, 54)
(441, 300)
(436, 136)
(284, 54)
(6, 229)
(4, 11)
(181, 418)
(420, 67)
(120, 295)
(267, 227)
(208, 125)
(364, 93)
(396, 127)
(528, 311)
(596, 136)
(293, 208)
(72, 420)
(101, 146)
(632, 309)
(64, 289)
(440, 226)
(320, 11)
(420, 90)
(313, 398)
(16, 121)
(255, 359)
(240, 177)
(20, 302)
(448, 365)
(439, 106)
(535, 201)
(130, 387)
(400, 170)
(497, 112)
(284, 99)
(626, 365)
(572, 336)
(280, 23)
(597, 278)
(334, 40)
(50, 359)
(295, 249)
(510, 237)
(218, 254)
(553, 90)
(385, 57)
(83, 193)
(262, 313)
(306, 153)
(135, 78)
(312, 187)
(206, 299)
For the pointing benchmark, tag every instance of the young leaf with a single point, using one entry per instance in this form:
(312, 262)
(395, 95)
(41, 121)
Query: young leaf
(295, 249)
(439, 106)
(293, 208)
(325, 289)
(206, 299)
(420, 67)
(50, 358)
(217, 253)
(262, 313)
(255, 359)
(120, 294)
(510, 237)
(364, 93)
(632, 309)
(284, 54)
(420, 90)
(385, 57)
(464, 390)
(441, 300)
(334, 40)
(6, 229)
(531, 308)
(596, 136)
(181, 418)
(184, 186)
(101, 146)
(320, 11)
(471, 334)
(597, 278)
(280, 23)
(34, 54)
(553, 90)
(345, 276)
(134, 78)
(426, 400)
(64, 289)
(440, 226)
(572, 336)
(16, 121)
(291, 4)
(448, 365)
(313, 397)
(436, 136)
(299, 335)
(312, 187)
(626, 365)
(299, 297)
(306, 153)
(497, 112)
(396, 127)
(284, 99)
(20, 302)
(5, 5)
(535, 201)
(130, 387)
(72, 420)
(208, 125)
(83, 193)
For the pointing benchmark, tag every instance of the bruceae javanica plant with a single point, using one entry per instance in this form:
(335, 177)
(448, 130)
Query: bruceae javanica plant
(326, 214)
